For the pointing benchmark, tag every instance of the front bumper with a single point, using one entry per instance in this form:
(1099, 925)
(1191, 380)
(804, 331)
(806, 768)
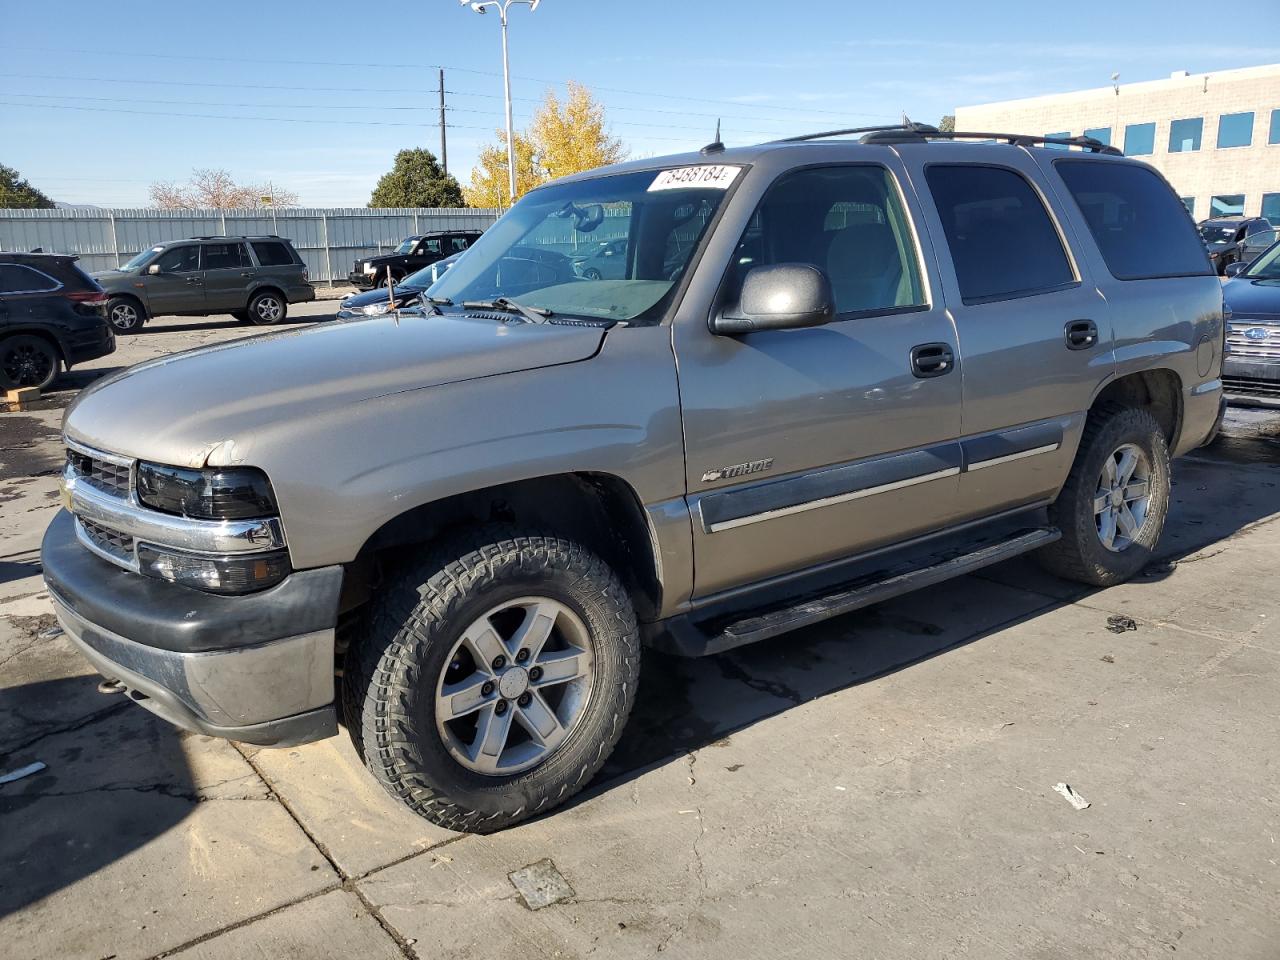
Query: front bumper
(255, 668)
(358, 278)
(1251, 383)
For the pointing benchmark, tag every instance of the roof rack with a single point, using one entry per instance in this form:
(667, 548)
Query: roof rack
(923, 133)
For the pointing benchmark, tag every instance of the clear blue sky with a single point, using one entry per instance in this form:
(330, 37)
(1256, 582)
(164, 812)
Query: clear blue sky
(665, 69)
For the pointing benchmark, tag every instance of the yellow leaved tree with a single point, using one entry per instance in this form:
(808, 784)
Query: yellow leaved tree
(489, 187)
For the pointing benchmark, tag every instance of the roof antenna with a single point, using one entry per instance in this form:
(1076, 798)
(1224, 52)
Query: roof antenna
(715, 146)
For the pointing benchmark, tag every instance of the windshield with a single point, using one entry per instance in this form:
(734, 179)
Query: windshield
(1214, 233)
(407, 246)
(141, 258)
(1267, 266)
(610, 248)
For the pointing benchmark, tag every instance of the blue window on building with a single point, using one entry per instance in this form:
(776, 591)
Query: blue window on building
(1140, 139)
(1103, 134)
(1235, 129)
(1184, 135)
(1271, 208)
(1065, 135)
(1274, 136)
(1229, 205)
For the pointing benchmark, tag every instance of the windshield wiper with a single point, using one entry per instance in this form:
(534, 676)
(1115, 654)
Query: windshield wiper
(507, 305)
(439, 301)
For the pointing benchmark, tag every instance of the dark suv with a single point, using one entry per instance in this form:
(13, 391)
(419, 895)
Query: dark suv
(252, 278)
(52, 315)
(413, 254)
(1224, 236)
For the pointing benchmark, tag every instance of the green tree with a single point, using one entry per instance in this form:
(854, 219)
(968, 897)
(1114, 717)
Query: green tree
(417, 180)
(947, 124)
(16, 192)
(489, 186)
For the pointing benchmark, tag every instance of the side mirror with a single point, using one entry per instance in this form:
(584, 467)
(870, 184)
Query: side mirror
(154, 269)
(1234, 269)
(779, 296)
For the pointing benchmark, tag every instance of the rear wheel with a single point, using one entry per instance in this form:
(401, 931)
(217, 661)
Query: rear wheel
(27, 361)
(267, 308)
(1113, 506)
(125, 314)
(493, 679)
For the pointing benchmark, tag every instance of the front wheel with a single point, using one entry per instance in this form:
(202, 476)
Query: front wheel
(267, 308)
(125, 314)
(27, 361)
(493, 679)
(1112, 509)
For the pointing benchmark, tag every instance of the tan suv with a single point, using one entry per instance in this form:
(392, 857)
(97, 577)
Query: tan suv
(252, 278)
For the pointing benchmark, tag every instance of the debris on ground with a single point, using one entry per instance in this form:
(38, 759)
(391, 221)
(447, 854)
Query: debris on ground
(1118, 623)
(1107, 658)
(1073, 798)
(540, 885)
(21, 772)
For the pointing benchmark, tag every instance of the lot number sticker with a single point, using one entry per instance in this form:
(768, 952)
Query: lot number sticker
(715, 178)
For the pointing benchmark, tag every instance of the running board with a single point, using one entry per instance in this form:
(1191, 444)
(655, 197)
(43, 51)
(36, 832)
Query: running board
(685, 637)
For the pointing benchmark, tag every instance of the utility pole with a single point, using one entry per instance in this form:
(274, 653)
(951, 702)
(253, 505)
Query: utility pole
(444, 145)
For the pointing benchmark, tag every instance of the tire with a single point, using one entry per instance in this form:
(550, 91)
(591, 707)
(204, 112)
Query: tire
(28, 361)
(384, 281)
(412, 641)
(267, 308)
(591, 273)
(1082, 554)
(126, 314)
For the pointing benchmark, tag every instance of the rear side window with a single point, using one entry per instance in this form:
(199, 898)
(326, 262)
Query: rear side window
(272, 254)
(17, 278)
(1141, 227)
(224, 256)
(459, 244)
(1003, 244)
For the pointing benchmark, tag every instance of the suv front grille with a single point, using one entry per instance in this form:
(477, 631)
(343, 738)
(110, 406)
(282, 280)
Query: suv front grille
(1252, 388)
(1254, 340)
(102, 475)
(118, 545)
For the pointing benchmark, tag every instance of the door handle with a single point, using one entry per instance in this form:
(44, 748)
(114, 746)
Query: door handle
(1080, 334)
(932, 360)
(250, 274)
(195, 280)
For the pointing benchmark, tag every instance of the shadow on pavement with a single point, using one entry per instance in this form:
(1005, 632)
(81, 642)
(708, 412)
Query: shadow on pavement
(167, 325)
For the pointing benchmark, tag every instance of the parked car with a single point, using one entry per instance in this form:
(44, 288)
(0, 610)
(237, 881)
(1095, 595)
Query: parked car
(606, 262)
(1251, 367)
(881, 364)
(1223, 237)
(252, 278)
(413, 254)
(52, 316)
(407, 292)
(1252, 247)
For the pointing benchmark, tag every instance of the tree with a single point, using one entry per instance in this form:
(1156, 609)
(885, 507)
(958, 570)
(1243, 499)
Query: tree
(489, 186)
(215, 189)
(16, 192)
(947, 124)
(572, 137)
(563, 138)
(416, 180)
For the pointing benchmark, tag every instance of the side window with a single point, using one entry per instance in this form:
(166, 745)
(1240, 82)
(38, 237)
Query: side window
(1141, 229)
(17, 278)
(459, 244)
(225, 256)
(850, 222)
(430, 246)
(270, 253)
(1002, 242)
(179, 260)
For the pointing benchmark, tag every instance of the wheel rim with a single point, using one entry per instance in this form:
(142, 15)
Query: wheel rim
(515, 686)
(269, 309)
(124, 316)
(1121, 503)
(27, 364)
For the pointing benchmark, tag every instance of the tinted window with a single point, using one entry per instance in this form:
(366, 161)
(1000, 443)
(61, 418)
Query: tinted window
(1002, 242)
(1184, 135)
(458, 244)
(1271, 207)
(1140, 139)
(17, 278)
(1274, 135)
(224, 256)
(1101, 134)
(179, 260)
(1229, 205)
(1235, 129)
(430, 246)
(270, 253)
(1138, 222)
(850, 222)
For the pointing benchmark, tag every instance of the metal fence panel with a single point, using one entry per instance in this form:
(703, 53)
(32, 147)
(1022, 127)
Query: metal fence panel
(328, 240)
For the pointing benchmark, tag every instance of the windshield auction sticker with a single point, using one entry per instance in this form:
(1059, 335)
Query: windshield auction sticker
(713, 177)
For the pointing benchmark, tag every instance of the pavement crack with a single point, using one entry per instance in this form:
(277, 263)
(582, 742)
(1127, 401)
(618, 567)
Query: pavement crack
(80, 724)
(732, 670)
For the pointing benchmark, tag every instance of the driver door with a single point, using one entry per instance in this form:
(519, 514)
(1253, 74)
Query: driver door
(178, 286)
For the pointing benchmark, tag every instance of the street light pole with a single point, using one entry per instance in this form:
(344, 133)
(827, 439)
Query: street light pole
(502, 6)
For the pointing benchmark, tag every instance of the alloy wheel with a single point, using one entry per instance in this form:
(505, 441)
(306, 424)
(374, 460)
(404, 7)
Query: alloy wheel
(514, 686)
(269, 309)
(27, 363)
(1122, 498)
(124, 316)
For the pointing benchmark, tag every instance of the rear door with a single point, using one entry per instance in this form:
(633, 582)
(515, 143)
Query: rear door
(1034, 330)
(178, 287)
(809, 445)
(228, 275)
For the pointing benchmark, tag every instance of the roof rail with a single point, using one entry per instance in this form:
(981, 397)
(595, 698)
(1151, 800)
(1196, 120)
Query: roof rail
(912, 132)
(914, 129)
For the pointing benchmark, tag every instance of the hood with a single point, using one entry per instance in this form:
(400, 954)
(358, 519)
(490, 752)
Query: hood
(105, 277)
(380, 293)
(1259, 299)
(206, 405)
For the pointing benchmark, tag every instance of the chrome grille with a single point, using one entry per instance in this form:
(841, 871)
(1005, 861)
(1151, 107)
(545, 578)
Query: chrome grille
(112, 478)
(1244, 340)
(1252, 388)
(118, 545)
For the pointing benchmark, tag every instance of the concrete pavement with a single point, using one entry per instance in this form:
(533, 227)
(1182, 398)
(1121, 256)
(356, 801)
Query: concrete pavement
(879, 786)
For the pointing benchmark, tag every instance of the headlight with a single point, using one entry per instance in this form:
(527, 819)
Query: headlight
(242, 574)
(376, 309)
(217, 493)
(368, 268)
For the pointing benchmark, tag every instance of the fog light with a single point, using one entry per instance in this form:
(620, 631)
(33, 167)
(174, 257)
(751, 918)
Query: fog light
(244, 574)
